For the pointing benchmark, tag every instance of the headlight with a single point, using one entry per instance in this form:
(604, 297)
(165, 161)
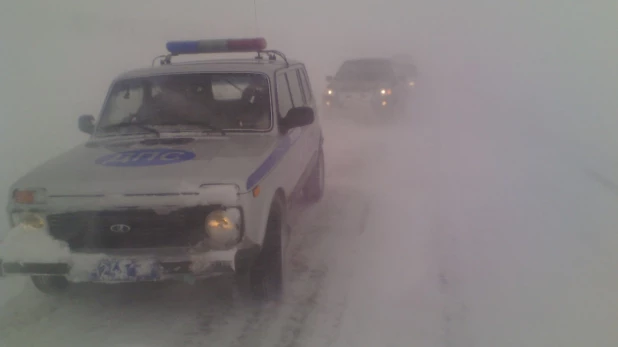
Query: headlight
(28, 220)
(386, 91)
(329, 92)
(223, 227)
(29, 196)
(411, 83)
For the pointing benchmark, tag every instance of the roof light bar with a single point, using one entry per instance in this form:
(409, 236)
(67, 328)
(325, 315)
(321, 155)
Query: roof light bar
(216, 46)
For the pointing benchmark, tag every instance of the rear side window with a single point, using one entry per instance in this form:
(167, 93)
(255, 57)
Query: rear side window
(283, 95)
(297, 92)
(305, 83)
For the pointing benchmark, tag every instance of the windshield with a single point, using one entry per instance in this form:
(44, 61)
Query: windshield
(365, 70)
(173, 103)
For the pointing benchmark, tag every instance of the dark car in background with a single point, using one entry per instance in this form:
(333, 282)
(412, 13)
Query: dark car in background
(375, 84)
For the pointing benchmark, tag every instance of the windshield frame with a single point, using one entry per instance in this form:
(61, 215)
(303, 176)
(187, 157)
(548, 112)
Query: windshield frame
(98, 134)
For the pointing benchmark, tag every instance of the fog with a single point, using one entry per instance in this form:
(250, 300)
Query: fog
(497, 193)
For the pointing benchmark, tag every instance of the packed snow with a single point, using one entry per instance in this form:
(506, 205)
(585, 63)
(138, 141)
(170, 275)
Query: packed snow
(226, 195)
(17, 246)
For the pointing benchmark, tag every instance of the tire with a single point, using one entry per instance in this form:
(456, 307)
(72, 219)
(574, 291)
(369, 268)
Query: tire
(314, 188)
(52, 285)
(264, 280)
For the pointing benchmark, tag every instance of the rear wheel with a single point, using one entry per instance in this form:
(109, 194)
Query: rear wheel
(50, 284)
(314, 188)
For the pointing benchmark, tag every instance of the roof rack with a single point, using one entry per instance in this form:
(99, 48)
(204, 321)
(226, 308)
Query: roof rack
(258, 45)
(272, 55)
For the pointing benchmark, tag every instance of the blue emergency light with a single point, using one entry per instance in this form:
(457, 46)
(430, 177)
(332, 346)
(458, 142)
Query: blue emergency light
(216, 46)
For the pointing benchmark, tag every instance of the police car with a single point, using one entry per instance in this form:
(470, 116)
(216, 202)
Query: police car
(189, 172)
(374, 84)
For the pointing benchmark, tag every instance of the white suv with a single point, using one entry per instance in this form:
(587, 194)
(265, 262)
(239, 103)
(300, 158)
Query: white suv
(189, 172)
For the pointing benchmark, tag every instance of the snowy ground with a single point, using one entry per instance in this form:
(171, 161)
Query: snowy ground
(437, 231)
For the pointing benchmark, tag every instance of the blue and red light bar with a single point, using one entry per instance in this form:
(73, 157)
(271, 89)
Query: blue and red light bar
(216, 46)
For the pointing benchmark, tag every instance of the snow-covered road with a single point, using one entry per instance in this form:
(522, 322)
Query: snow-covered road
(438, 231)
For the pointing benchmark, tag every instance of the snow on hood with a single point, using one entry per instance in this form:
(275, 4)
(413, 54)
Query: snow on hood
(130, 166)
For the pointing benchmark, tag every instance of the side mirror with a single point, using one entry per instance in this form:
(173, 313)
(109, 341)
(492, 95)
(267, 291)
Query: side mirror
(296, 118)
(329, 79)
(86, 123)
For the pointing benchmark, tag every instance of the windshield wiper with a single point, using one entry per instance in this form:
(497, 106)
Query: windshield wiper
(204, 125)
(136, 125)
(233, 85)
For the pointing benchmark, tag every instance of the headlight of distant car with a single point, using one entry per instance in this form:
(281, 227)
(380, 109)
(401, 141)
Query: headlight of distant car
(29, 220)
(223, 227)
(29, 196)
(411, 83)
(329, 92)
(386, 91)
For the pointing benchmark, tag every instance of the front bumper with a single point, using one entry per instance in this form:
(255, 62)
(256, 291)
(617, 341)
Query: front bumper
(140, 265)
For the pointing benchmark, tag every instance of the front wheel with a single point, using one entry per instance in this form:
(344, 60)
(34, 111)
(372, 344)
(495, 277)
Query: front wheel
(264, 280)
(50, 284)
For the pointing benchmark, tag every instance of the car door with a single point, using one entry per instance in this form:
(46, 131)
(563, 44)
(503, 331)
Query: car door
(290, 143)
(307, 142)
(314, 141)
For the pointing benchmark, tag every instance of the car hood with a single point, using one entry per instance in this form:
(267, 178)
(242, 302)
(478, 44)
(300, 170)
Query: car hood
(152, 166)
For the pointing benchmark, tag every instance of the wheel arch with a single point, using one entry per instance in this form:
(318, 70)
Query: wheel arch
(279, 194)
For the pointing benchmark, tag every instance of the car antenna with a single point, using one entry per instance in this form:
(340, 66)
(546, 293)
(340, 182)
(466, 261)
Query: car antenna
(257, 26)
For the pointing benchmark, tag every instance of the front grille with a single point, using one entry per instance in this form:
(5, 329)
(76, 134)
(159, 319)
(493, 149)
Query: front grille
(146, 228)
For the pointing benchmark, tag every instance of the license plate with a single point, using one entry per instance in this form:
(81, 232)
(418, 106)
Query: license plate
(125, 270)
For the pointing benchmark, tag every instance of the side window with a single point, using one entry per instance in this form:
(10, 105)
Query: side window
(297, 93)
(306, 86)
(283, 95)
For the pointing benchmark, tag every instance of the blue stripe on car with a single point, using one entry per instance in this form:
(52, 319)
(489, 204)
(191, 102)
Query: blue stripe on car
(284, 144)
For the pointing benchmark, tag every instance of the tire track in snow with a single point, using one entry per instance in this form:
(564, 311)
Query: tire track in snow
(281, 325)
(299, 325)
(331, 300)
